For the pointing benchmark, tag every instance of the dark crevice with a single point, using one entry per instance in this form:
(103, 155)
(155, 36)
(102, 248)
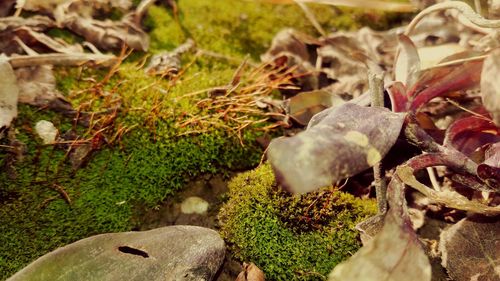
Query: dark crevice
(133, 251)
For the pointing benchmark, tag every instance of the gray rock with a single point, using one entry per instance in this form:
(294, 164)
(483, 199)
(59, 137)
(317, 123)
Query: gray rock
(172, 253)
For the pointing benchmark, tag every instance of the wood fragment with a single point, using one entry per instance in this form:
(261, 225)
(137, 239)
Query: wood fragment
(62, 60)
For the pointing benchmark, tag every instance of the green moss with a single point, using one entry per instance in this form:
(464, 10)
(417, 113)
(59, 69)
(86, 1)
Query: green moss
(237, 28)
(36, 219)
(147, 165)
(267, 226)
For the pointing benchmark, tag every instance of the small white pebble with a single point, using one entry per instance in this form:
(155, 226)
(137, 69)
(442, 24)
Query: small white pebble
(46, 130)
(194, 205)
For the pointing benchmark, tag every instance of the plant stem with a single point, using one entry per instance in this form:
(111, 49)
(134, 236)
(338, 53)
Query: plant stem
(376, 84)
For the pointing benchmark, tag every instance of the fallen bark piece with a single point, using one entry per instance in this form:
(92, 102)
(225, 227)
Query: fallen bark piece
(169, 253)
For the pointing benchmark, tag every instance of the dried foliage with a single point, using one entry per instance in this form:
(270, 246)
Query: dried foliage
(241, 102)
(318, 161)
(394, 253)
(476, 239)
(426, 88)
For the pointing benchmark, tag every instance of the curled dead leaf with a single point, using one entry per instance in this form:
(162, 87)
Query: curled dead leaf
(407, 66)
(77, 16)
(348, 140)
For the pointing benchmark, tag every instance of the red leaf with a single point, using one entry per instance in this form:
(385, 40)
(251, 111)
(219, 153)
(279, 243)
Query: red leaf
(439, 81)
(470, 133)
(397, 93)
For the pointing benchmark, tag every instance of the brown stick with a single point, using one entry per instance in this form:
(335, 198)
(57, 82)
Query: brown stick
(376, 84)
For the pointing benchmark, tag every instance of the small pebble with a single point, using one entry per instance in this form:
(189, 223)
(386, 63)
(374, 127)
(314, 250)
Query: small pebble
(194, 205)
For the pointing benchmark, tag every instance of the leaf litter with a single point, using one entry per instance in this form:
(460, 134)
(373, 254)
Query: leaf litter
(442, 79)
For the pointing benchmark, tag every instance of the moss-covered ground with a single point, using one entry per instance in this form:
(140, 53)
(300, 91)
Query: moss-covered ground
(147, 156)
(289, 237)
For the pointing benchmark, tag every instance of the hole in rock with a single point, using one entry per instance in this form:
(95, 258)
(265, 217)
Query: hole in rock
(133, 251)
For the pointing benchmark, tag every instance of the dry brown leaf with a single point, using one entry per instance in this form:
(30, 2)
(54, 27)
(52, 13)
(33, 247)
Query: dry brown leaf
(31, 38)
(48, 6)
(471, 249)
(251, 273)
(38, 23)
(166, 63)
(11, 26)
(37, 86)
(6, 7)
(349, 140)
(490, 87)
(394, 254)
(77, 16)
(42, 5)
(291, 48)
(302, 107)
(9, 93)
(80, 155)
(407, 65)
(108, 35)
(337, 63)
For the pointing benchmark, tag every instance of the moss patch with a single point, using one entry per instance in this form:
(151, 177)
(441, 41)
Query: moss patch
(247, 27)
(150, 160)
(290, 237)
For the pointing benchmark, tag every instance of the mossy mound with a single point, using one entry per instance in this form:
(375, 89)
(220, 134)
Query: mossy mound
(290, 237)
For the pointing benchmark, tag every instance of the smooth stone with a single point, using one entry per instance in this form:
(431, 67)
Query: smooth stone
(172, 253)
(194, 205)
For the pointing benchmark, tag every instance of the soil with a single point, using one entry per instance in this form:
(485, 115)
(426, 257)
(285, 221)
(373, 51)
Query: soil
(211, 188)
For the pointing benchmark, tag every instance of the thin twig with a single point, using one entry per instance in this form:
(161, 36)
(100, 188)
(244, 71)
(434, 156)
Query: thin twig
(62, 192)
(462, 7)
(459, 61)
(433, 179)
(76, 59)
(310, 16)
(376, 85)
(372, 4)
